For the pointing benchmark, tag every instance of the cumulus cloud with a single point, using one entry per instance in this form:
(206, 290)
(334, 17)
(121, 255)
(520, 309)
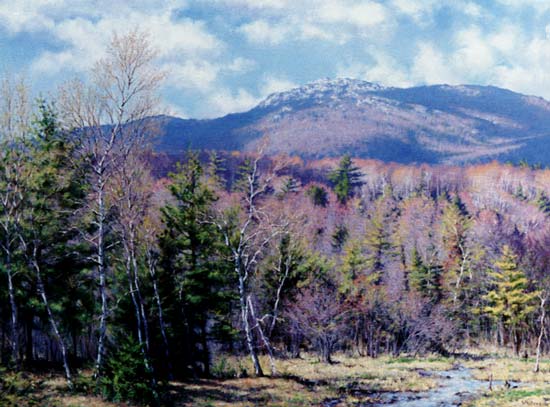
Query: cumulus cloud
(361, 14)
(385, 70)
(264, 32)
(273, 85)
(226, 101)
(326, 20)
(431, 66)
(393, 42)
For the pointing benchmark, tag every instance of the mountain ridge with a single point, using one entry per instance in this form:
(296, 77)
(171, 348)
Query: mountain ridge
(424, 124)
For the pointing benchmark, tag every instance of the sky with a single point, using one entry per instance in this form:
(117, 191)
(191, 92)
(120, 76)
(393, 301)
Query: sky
(225, 56)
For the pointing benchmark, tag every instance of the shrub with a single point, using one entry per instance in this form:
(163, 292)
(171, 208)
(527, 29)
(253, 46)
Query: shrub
(127, 378)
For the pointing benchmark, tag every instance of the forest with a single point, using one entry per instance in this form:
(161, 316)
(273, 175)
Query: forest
(125, 271)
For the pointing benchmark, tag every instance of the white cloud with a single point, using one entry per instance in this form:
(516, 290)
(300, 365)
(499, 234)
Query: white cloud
(86, 40)
(430, 66)
(418, 10)
(264, 32)
(326, 20)
(473, 52)
(473, 10)
(224, 101)
(257, 4)
(196, 74)
(539, 5)
(361, 14)
(273, 85)
(240, 65)
(28, 15)
(506, 40)
(385, 70)
(530, 73)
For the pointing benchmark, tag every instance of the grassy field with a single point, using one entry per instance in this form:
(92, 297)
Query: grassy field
(306, 382)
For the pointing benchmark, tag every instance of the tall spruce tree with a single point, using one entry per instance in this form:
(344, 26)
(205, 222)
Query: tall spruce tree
(344, 178)
(53, 190)
(510, 301)
(191, 254)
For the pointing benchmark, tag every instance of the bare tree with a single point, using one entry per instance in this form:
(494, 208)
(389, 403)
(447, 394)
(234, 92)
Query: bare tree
(14, 126)
(152, 226)
(132, 189)
(320, 316)
(110, 116)
(248, 229)
(543, 297)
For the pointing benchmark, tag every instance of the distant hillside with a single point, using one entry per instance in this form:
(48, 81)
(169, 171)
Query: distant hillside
(432, 124)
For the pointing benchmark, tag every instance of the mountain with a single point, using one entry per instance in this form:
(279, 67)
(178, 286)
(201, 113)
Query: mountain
(432, 124)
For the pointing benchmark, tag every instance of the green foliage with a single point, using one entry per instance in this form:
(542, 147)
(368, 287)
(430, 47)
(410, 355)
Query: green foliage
(318, 195)
(377, 240)
(344, 178)
(127, 378)
(424, 278)
(223, 369)
(15, 388)
(543, 202)
(191, 252)
(509, 300)
(339, 236)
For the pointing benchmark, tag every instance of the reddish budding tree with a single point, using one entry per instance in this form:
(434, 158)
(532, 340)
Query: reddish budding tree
(320, 315)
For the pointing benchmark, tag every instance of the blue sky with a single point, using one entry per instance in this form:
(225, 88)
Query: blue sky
(225, 56)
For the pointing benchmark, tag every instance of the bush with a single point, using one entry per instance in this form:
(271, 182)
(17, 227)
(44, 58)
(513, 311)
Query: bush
(127, 378)
(15, 388)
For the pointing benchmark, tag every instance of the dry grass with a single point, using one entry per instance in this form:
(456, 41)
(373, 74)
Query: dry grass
(306, 382)
(533, 388)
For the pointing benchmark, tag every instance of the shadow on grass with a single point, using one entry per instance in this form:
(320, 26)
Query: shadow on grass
(219, 391)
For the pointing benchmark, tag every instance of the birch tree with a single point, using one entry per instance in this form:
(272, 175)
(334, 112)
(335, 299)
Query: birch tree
(14, 126)
(248, 229)
(109, 115)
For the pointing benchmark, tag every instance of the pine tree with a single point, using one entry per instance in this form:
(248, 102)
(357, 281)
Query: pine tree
(190, 247)
(46, 234)
(543, 202)
(318, 195)
(339, 236)
(510, 302)
(424, 276)
(344, 178)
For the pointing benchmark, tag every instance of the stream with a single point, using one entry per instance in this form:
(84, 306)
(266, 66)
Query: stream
(455, 387)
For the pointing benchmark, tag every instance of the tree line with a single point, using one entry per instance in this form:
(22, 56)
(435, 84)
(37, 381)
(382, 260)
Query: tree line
(153, 278)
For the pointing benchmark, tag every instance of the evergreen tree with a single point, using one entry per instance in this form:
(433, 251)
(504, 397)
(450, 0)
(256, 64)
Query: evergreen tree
(344, 178)
(46, 234)
(339, 236)
(190, 253)
(510, 302)
(424, 276)
(318, 195)
(543, 202)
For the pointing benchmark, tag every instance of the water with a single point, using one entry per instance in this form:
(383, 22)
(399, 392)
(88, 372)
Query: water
(455, 387)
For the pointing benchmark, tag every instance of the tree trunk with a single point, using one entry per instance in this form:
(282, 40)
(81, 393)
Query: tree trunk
(246, 324)
(541, 332)
(53, 323)
(102, 278)
(13, 309)
(205, 350)
(152, 273)
(263, 337)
